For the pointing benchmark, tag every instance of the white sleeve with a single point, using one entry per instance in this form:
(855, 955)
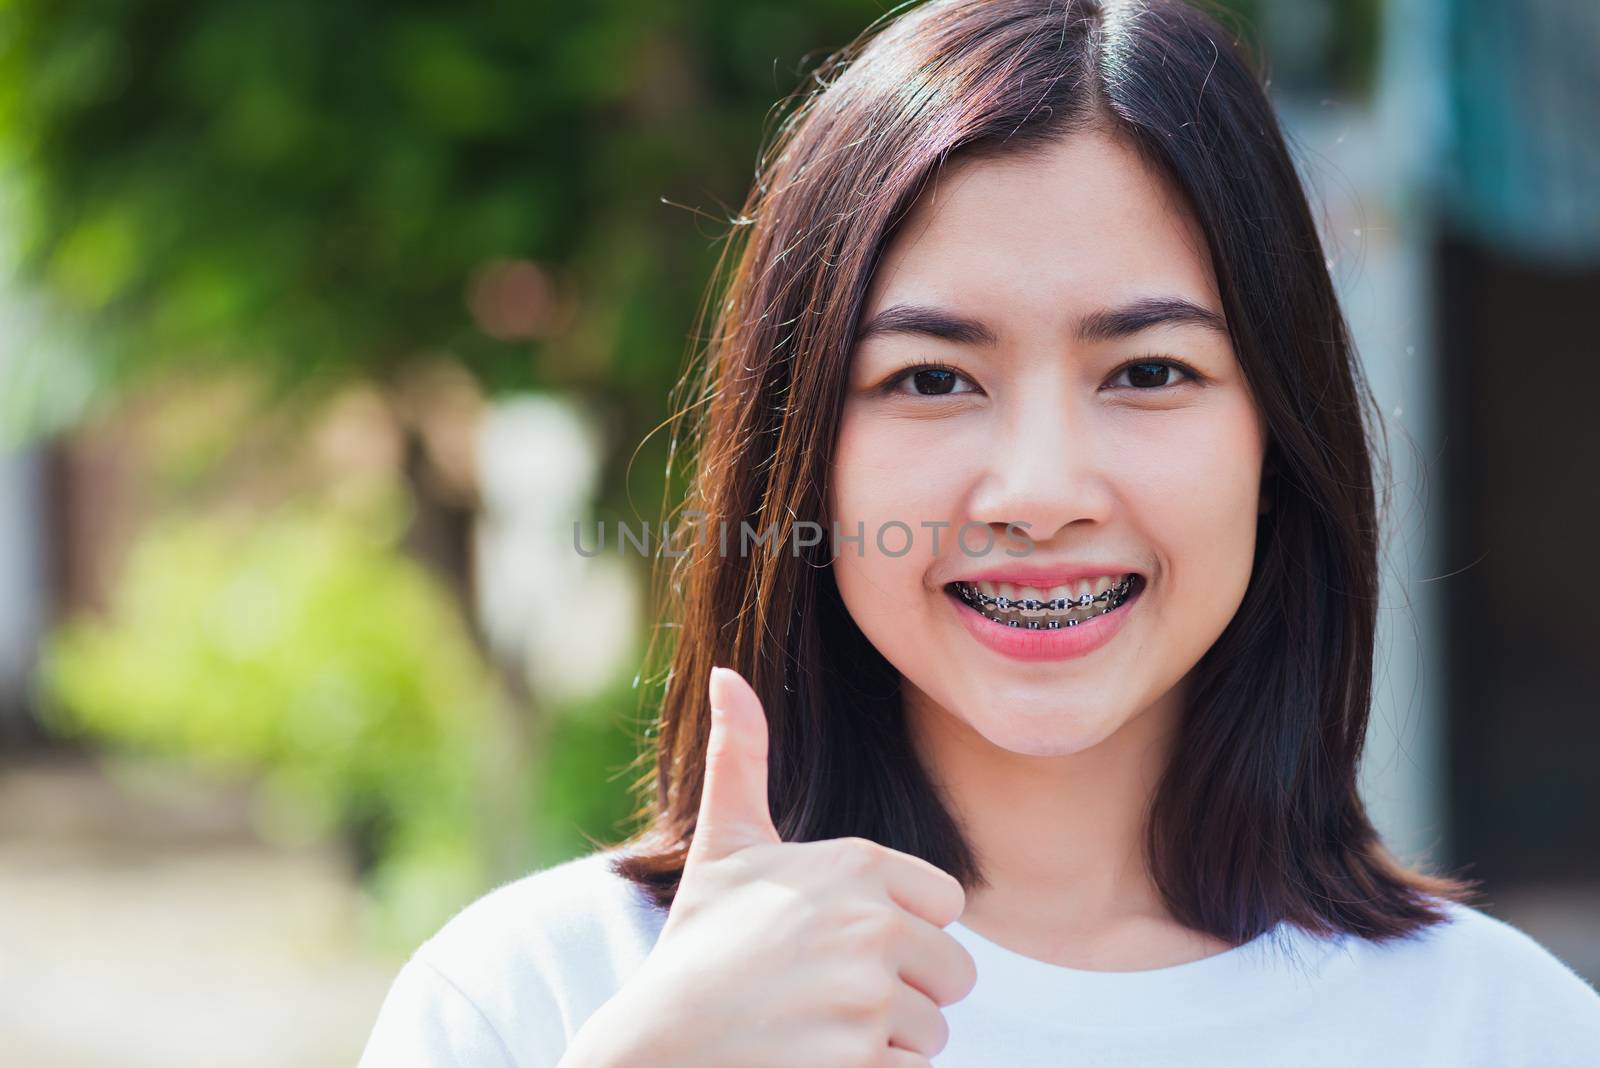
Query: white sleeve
(427, 1022)
(510, 980)
(1559, 1013)
(1530, 1007)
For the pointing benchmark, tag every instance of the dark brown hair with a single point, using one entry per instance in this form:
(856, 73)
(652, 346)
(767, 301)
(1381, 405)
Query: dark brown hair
(1260, 820)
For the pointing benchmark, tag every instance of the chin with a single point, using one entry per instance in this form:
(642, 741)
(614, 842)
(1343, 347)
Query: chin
(1041, 728)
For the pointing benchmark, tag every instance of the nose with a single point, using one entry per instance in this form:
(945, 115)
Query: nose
(1043, 469)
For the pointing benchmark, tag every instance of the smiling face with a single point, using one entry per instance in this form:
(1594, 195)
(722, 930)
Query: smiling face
(1091, 396)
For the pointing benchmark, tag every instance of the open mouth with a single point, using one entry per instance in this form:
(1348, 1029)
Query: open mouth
(1029, 608)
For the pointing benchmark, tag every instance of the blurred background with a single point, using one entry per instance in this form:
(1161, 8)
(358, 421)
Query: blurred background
(321, 324)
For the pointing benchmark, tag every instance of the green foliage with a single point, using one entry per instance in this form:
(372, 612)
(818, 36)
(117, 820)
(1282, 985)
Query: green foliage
(311, 190)
(313, 187)
(1316, 47)
(302, 652)
(590, 757)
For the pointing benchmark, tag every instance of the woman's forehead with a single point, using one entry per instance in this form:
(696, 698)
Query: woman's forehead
(1084, 218)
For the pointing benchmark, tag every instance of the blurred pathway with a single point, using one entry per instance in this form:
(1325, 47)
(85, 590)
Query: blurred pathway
(141, 933)
(163, 933)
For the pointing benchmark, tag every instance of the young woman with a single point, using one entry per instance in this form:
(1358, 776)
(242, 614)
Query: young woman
(1045, 750)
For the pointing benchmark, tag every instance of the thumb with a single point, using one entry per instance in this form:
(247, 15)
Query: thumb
(733, 799)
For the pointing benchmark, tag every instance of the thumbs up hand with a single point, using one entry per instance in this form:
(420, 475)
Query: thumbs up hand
(733, 801)
(790, 954)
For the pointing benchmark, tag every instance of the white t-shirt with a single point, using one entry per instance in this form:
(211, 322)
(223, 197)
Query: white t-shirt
(509, 981)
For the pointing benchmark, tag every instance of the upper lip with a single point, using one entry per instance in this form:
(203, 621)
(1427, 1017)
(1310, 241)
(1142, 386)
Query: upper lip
(1043, 576)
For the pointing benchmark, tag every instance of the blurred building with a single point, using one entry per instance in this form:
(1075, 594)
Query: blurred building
(1460, 204)
(1516, 258)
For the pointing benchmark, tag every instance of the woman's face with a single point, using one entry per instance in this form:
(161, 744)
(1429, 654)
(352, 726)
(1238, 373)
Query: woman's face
(1079, 273)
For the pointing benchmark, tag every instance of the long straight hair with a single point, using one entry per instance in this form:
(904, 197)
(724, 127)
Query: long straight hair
(1260, 819)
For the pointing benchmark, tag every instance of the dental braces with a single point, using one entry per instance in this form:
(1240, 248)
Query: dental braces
(1112, 597)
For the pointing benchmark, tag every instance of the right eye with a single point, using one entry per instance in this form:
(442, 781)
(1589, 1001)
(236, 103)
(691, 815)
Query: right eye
(930, 380)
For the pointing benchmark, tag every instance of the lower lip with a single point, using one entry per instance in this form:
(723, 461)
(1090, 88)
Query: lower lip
(1064, 643)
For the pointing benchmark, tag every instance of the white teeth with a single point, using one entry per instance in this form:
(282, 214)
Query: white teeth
(1075, 591)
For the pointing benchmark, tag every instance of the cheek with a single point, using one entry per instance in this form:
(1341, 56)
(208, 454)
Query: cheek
(1198, 496)
(889, 484)
(895, 469)
(888, 470)
(862, 482)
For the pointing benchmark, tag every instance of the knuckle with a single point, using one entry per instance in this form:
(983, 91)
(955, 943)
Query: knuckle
(963, 976)
(958, 896)
(872, 927)
(869, 995)
(949, 897)
(856, 854)
(969, 974)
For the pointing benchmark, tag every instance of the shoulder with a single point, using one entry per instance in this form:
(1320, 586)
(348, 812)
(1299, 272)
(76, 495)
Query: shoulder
(1474, 947)
(557, 915)
(1472, 942)
(575, 930)
(1495, 982)
(520, 969)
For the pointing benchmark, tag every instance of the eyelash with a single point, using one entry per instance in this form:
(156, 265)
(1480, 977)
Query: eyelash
(889, 386)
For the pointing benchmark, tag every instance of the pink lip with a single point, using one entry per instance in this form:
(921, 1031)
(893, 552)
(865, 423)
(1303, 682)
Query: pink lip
(1043, 576)
(1020, 643)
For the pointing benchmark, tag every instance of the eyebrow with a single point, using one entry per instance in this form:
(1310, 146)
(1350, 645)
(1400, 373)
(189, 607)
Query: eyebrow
(1105, 324)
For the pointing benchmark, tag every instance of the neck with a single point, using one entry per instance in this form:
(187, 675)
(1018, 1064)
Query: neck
(1059, 838)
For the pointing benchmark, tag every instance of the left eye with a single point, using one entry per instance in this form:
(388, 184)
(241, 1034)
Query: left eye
(1148, 376)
